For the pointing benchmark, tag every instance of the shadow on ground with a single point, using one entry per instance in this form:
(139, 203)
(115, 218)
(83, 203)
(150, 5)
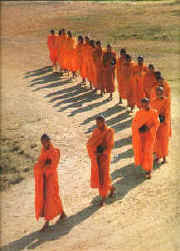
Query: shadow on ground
(126, 179)
(35, 239)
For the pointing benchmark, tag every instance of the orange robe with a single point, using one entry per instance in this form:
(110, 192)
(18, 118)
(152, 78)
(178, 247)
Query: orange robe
(122, 85)
(52, 48)
(108, 76)
(143, 143)
(148, 83)
(62, 49)
(84, 68)
(68, 53)
(79, 56)
(105, 138)
(47, 200)
(91, 66)
(136, 82)
(163, 133)
(140, 94)
(127, 79)
(74, 61)
(97, 56)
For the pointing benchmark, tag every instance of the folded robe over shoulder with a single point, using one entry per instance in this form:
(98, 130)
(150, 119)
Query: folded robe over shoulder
(47, 200)
(105, 138)
(143, 143)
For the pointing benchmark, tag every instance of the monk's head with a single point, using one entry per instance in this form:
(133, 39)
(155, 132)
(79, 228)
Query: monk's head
(52, 32)
(151, 67)
(92, 43)
(140, 60)
(160, 81)
(100, 122)
(157, 74)
(60, 32)
(128, 58)
(80, 39)
(45, 141)
(69, 33)
(86, 39)
(109, 48)
(123, 52)
(98, 43)
(160, 92)
(63, 31)
(145, 104)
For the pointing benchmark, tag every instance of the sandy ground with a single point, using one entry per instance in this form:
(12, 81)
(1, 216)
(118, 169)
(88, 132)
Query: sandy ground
(143, 215)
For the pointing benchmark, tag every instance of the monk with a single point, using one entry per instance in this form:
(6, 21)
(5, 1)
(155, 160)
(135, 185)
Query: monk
(84, 68)
(149, 80)
(97, 56)
(120, 75)
(140, 66)
(137, 81)
(127, 80)
(58, 46)
(61, 56)
(144, 128)
(161, 82)
(99, 148)
(109, 62)
(91, 65)
(47, 200)
(68, 53)
(79, 54)
(52, 49)
(162, 105)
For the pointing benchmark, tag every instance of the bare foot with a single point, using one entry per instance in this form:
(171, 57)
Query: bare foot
(148, 175)
(63, 216)
(112, 192)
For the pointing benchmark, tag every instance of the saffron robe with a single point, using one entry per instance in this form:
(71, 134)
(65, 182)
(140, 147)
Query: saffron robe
(52, 46)
(108, 78)
(47, 200)
(143, 143)
(120, 74)
(164, 130)
(105, 138)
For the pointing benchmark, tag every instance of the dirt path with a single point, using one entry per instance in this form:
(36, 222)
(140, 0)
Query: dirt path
(143, 215)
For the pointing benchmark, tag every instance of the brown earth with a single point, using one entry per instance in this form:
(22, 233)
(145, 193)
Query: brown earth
(143, 215)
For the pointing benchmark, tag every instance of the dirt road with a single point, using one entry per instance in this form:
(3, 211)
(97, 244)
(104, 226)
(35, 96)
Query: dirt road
(143, 215)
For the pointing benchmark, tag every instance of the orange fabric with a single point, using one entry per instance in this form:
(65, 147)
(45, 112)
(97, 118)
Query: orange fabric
(143, 143)
(148, 83)
(91, 74)
(68, 53)
(52, 48)
(62, 48)
(122, 84)
(136, 92)
(163, 133)
(79, 56)
(105, 138)
(84, 68)
(97, 56)
(167, 90)
(127, 80)
(47, 200)
(108, 74)
(139, 92)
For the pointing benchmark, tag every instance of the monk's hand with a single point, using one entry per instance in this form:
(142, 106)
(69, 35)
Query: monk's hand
(48, 162)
